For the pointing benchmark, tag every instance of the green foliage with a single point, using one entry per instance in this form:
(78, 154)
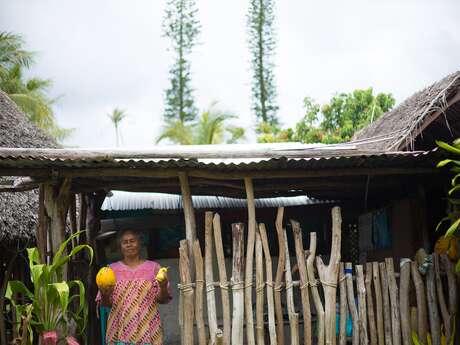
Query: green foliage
(262, 47)
(338, 120)
(31, 95)
(273, 134)
(116, 116)
(48, 304)
(210, 128)
(182, 28)
(453, 214)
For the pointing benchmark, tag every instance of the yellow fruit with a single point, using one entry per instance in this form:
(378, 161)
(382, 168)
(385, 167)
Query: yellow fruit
(161, 275)
(105, 277)
(447, 246)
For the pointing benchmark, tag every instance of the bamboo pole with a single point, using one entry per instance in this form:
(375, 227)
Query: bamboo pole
(189, 213)
(200, 327)
(297, 231)
(187, 290)
(378, 303)
(351, 302)
(269, 277)
(343, 307)
(249, 260)
(386, 303)
(370, 305)
(361, 289)
(329, 275)
(209, 273)
(279, 276)
(290, 295)
(422, 323)
(446, 319)
(404, 281)
(433, 312)
(223, 280)
(394, 302)
(295, 332)
(314, 289)
(449, 267)
(238, 284)
(260, 285)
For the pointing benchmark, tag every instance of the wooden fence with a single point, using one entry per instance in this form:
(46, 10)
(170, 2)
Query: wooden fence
(385, 307)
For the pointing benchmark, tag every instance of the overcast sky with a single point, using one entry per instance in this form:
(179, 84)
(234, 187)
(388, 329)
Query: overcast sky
(103, 54)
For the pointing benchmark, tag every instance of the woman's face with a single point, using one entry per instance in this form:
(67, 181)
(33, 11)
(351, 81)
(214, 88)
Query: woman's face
(130, 246)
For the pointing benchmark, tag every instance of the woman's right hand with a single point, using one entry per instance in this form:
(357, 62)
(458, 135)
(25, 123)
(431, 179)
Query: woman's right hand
(106, 293)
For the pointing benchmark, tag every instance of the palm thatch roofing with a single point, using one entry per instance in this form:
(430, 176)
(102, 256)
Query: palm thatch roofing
(18, 211)
(430, 114)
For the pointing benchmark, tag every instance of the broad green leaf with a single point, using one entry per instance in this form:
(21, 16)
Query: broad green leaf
(445, 219)
(415, 339)
(34, 256)
(63, 246)
(447, 161)
(62, 290)
(36, 272)
(454, 189)
(448, 147)
(454, 180)
(452, 228)
(456, 143)
(16, 286)
(81, 294)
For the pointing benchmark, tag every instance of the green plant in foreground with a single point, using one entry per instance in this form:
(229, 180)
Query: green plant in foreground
(49, 304)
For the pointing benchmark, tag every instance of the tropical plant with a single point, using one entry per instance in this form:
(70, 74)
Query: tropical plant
(453, 214)
(48, 305)
(12, 52)
(262, 47)
(182, 28)
(273, 134)
(116, 116)
(211, 128)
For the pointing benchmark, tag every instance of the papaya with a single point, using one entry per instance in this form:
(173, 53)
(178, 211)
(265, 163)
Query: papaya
(161, 275)
(105, 277)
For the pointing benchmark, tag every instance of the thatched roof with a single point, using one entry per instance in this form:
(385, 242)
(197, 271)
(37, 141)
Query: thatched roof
(18, 211)
(430, 114)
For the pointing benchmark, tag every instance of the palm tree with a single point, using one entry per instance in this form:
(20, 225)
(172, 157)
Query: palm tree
(116, 116)
(211, 128)
(12, 53)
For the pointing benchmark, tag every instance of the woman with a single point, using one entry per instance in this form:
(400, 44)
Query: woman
(134, 317)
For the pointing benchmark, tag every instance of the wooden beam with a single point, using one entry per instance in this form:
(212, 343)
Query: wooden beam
(189, 215)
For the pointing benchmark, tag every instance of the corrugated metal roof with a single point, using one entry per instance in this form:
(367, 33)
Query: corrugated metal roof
(126, 201)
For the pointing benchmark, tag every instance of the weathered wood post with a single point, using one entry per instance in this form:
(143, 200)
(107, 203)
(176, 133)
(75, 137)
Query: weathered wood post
(250, 260)
(260, 285)
(343, 307)
(433, 312)
(422, 322)
(293, 316)
(446, 318)
(238, 284)
(378, 303)
(313, 282)
(404, 281)
(279, 276)
(209, 274)
(362, 315)
(386, 303)
(187, 289)
(351, 302)
(189, 214)
(329, 275)
(370, 305)
(199, 281)
(394, 302)
(42, 226)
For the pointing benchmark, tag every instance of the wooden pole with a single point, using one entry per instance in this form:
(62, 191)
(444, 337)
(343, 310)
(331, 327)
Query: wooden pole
(394, 302)
(209, 273)
(446, 319)
(370, 305)
(343, 307)
(297, 231)
(404, 281)
(200, 327)
(269, 277)
(42, 226)
(290, 295)
(361, 289)
(378, 303)
(295, 331)
(352, 303)
(73, 218)
(223, 280)
(422, 323)
(189, 214)
(386, 303)
(187, 292)
(279, 276)
(314, 290)
(433, 312)
(238, 284)
(449, 267)
(250, 260)
(260, 285)
(329, 275)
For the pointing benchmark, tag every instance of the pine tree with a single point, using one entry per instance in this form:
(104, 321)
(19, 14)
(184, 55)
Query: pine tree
(262, 47)
(182, 28)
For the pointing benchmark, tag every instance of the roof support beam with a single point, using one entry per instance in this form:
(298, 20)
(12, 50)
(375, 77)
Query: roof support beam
(189, 215)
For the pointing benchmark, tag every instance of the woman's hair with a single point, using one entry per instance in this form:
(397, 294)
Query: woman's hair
(123, 232)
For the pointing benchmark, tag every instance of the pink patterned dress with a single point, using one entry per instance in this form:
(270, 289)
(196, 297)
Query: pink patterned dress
(134, 317)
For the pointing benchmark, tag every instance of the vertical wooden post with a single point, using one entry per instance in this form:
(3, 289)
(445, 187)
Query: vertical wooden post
(449, 267)
(351, 302)
(250, 260)
(73, 218)
(422, 323)
(297, 231)
(209, 272)
(238, 284)
(446, 319)
(42, 226)
(290, 296)
(361, 289)
(386, 303)
(260, 285)
(189, 213)
(394, 302)
(329, 275)
(269, 277)
(314, 290)
(201, 330)
(343, 307)
(433, 312)
(223, 280)
(404, 281)
(378, 303)
(279, 276)
(370, 305)
(295, 330)
(187, 289)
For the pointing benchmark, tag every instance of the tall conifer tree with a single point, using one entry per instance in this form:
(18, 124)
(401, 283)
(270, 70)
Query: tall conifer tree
(181, 26)
(262, 47)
